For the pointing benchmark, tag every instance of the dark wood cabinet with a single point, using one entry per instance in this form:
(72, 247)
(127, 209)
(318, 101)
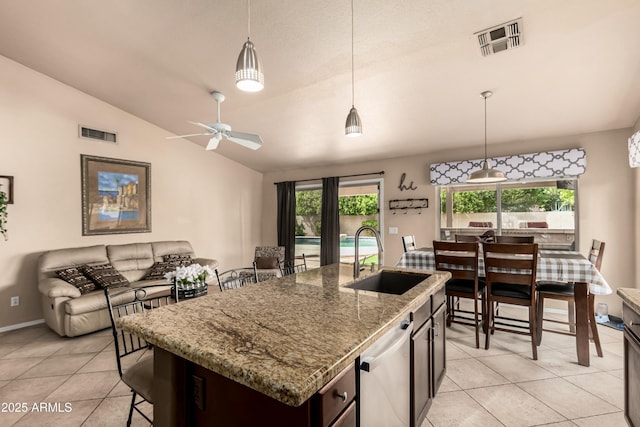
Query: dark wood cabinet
(428, 355)
(631, 366)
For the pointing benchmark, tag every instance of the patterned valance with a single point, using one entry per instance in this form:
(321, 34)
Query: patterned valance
(634, 150)
(547, 164)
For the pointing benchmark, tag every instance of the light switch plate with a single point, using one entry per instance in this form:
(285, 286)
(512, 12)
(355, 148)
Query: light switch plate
(393, 230)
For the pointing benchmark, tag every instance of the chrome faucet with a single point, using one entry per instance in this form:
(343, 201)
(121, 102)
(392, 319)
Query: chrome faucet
(356, 264)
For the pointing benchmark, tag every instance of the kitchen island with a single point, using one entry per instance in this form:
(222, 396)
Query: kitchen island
(631, 318)
(283, 339)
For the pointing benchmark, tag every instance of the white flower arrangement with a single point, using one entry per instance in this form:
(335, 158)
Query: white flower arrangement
(189, 275)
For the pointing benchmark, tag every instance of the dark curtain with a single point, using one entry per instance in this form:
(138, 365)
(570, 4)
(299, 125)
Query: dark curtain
(287, 217)
(330, 222)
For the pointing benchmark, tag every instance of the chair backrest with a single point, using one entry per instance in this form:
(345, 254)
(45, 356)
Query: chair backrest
(459, 258)
(510, 263)
(237, 277)
(596, 253)
(465, 238)
(409, 243)
(514, 239)
(292, 266)
(129, 301)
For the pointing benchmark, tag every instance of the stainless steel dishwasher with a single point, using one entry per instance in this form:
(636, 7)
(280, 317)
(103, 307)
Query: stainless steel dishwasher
(384, 379)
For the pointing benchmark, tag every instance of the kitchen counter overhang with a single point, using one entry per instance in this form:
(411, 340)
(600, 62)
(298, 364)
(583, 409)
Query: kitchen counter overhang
(287, 337)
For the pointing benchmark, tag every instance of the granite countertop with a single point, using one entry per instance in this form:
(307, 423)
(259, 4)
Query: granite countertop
(631, 296)
(287, 337)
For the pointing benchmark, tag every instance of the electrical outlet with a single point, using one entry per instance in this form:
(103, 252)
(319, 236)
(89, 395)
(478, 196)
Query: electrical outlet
(15, 301)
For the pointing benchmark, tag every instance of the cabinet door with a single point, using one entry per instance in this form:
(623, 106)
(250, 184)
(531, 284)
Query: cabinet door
(421, 374)
(631, 379)
(439, 348)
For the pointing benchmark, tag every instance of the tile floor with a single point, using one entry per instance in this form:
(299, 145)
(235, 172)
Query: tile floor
(501, 386)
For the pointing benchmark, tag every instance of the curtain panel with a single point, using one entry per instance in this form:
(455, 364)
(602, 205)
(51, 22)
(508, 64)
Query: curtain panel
(330, 222)
(287, 217)
(547, 164)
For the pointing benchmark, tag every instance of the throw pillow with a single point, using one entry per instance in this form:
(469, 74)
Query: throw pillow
(181, 260)
(77, 278)
(266, 262)
(105, 275)
(159, 269)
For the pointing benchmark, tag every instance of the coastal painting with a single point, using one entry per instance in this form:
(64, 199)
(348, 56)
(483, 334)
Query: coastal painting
(116, 196)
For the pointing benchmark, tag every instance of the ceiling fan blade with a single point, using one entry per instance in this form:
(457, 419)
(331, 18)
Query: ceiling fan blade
(187, 136)
(209, 128)
(213, 142)
(248, 140)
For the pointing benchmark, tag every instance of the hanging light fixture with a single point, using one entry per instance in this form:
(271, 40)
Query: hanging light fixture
(353, 126)
(249, 76)
(486, 175)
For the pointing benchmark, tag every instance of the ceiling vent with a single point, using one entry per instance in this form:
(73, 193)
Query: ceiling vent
(501, 37)
(100, 135)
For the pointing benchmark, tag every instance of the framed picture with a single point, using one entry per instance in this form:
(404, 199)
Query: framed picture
(6, 186)
(116, 196)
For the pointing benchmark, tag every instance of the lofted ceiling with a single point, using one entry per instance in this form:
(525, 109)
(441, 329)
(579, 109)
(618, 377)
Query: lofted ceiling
(418, 69)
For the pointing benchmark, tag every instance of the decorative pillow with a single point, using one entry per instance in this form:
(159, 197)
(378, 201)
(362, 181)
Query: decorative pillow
(77, 278)
(159, 269)
(266, 262)
(181, 260)
(105, 275)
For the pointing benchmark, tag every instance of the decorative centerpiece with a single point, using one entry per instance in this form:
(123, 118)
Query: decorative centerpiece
(190, 281)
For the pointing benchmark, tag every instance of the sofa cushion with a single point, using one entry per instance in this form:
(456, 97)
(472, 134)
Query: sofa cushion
(266, 262)
(160, 249)
(159, 269)
(77, 278)
(57, 259)
(105, 275)
(181, 260)
(132, 260)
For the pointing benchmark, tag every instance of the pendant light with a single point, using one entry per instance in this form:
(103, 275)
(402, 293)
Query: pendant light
(249, 76)
(353, 126)
(486, 175)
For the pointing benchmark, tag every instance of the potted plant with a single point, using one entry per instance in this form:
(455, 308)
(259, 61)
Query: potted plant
(3, 214)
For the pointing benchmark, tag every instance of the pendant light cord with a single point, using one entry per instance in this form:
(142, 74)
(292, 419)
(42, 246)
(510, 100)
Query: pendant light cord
(485, 129)
(248, 19)
(353, 91)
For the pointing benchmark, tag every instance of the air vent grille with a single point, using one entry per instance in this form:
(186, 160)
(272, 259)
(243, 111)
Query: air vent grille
(501, 37)
(96, 134)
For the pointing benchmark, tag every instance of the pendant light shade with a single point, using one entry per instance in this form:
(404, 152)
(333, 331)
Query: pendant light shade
(486, 174)
(249, 76)
(353, 125)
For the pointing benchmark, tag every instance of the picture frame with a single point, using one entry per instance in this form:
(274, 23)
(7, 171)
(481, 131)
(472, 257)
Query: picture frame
(6, 185)
(116, 196)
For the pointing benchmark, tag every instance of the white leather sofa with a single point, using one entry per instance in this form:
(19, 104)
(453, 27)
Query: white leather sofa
(70, 313)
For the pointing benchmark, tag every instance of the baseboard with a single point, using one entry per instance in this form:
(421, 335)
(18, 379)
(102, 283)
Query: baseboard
(21, 325)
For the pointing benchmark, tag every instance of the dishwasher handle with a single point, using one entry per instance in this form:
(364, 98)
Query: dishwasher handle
(369, 363)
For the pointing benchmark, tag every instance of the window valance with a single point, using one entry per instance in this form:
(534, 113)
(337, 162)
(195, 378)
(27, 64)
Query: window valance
(547, 164)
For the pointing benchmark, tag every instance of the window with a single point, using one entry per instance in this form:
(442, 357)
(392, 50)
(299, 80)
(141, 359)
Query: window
(544, 209)
(358, 204)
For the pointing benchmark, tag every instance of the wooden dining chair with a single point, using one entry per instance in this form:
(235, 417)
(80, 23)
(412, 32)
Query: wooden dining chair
(563, 291)
(461, 260)
(409, 243)
(514, 239)
(510, 276)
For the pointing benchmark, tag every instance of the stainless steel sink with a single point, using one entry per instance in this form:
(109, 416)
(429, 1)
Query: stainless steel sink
(389, 282)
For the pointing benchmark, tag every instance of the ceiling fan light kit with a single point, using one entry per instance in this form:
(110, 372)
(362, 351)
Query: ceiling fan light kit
(353, 125)
(249, 75)
(486, 174)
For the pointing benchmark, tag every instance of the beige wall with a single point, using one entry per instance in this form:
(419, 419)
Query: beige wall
(196, 195)
(606, 210)
(636, 196)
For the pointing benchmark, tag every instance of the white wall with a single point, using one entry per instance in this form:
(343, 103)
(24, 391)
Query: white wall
(197, 196)
(606, 202)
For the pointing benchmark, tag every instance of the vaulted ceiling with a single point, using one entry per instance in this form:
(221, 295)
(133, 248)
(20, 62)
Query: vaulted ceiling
(418, 69)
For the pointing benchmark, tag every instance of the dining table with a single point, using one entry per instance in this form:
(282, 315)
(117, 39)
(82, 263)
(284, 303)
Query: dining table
(553, 265)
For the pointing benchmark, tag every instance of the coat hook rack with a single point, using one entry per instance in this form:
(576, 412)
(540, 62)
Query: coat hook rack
(407, 204)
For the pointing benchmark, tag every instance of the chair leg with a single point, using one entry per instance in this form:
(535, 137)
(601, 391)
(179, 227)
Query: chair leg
(572, 316)
(594, 325)
(449, 310)
(477, 322)
(533, 329)
(133, 402)
(540, 309)
(490, 325)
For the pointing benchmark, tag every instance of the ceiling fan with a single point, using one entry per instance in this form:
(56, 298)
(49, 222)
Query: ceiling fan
(217, 130)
